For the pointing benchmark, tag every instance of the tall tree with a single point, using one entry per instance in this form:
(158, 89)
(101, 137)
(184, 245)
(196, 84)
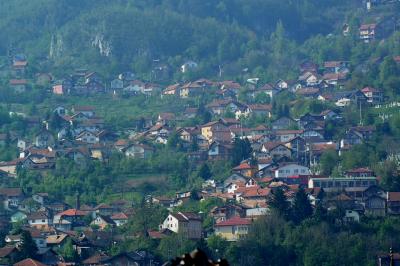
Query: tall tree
(302, 208)
(278, 203)
(28, 248)
(205, 172)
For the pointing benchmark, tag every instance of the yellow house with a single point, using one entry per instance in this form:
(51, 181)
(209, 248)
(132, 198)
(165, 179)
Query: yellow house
(233, 229)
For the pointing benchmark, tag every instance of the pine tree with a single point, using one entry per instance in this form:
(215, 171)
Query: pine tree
(302, 208)
(27, 247)
(205, 172)
(278, 203)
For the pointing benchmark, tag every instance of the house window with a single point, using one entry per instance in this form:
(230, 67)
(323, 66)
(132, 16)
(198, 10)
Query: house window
(296, 171)
(43, 221)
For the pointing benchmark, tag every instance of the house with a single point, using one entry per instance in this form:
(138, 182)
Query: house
(360, 172)
(228, 211)
(69, 219)
(245, 169)
(276, 149)
(18, 85)
(393, 202)
(188, 65)
(375, 205)
(119, 218)
(219, 107)
(219, 151)
(308, 92)
(12, 197)
(103, 222)
(116, 85)
(233, 229)
(39, 220)
(335, 78)
(332, 184)
(87, 111)
(309, 79)
(367, 32)
(166, 118)
(264, 110)
(138, 150)
(211, 129)
(44, 139)
(374, 96)
(286, 135)
(336, 66)
(191, 90)
(186, 223)
(88, 137)
(290, 169)
(283, 123)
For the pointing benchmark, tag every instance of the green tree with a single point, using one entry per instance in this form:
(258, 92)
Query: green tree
(278, 203)
(241, 150)
(329, 160)
(68, 252)
(28, 248)
(301, 208)
(205, 172)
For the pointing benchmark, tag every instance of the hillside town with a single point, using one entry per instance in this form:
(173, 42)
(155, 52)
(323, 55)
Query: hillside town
(278, 153)
(119, 169)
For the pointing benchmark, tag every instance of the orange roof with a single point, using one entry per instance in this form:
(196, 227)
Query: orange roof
(73, 212)
(243, 166)
(29, 262)
(234, 221)
(119, 216)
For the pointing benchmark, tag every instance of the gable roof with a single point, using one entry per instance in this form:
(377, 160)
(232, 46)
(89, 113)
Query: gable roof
(29, 262)
(72, 212)
(234, 221)
(186, 216)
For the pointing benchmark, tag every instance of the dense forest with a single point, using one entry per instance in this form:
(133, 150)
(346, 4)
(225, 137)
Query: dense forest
(266, 38)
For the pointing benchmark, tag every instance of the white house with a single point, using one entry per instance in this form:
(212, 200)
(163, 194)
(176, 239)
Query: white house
(291, 169)
(186, 223)
(188, 66)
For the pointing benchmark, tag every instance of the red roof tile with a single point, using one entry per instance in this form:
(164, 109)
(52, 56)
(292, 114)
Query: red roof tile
(73, 212)
(29, 262)
(393, 196)
(234, 221)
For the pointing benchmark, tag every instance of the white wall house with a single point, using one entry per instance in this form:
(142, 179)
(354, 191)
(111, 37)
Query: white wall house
(185, 223)
(291, 170)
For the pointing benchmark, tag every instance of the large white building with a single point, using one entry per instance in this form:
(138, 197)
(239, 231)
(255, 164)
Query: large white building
(330, 184)
(291, 169)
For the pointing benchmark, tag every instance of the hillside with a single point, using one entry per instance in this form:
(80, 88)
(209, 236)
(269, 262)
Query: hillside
(128, 34)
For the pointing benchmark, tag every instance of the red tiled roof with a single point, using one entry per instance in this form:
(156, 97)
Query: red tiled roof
(369, 89)
(234, 221)
(243, 166)
(29, 262)
(73, 212)
(119, 216)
